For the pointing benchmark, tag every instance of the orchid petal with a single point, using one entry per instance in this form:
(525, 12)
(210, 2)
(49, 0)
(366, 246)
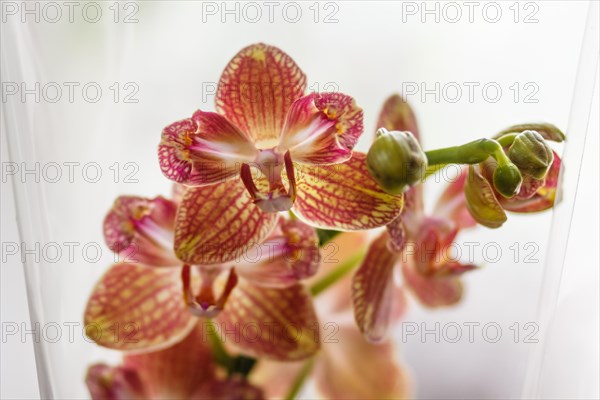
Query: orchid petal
(342, 373)
(257, 88)
(322, 128)
(344, 197)
(279, 324)
(218, 223)
(481, 201)
(114, 383)
(137, 307)
(290, 254)
(432, 291)
(543, 198)
(141, 230)
(204, 150)
(177, 371)
(374, 290)
(234, 387)
(397, 115)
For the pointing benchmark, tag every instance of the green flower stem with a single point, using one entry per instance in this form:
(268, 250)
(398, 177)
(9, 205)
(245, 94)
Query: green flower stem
(336, 274)
(222, 357)
(469, 153)
(300, 379)
(508, 139)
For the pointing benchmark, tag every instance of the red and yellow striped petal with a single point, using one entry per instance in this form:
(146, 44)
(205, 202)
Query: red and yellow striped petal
(218, 223)
(452, 204)
(322, 128)
(275, 323)
(203, 150)
(432, 291)
(179, 370)
(290, 254)
(257, 88)
(140, 230)
(137, 307)
(375, 296)
(344, 197)
(352, 368)
(397, 115)
(544, 196)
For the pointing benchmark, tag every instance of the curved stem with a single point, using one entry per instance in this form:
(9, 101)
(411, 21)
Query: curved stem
(300, 379)
(336, 274)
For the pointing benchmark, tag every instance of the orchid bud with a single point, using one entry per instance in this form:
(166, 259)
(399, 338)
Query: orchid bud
(396, 160)
(531, 154)
(507, 180)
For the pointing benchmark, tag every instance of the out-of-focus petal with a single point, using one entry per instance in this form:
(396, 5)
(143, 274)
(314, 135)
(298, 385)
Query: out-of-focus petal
(140, 230)
(177, 371)
(204, 150)
(137, 307)
(397, 234)
(322, 128)
(452, 204)
(544, 197)
(276, 377)
(352, 368)
(373, 290)
(481, 201)
(218, 223)
(290, 254)
(114, 383)
(274, 323)
(257, 88)
(344, 197)
(232, 388)
(432, 291)
(397, 115)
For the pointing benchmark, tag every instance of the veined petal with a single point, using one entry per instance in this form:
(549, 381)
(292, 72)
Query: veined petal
(234, 387)
(397, 115)
(322, 128)
(290, 254)
(374, 290)
(481, 201)
(274, 323)
(114, 383)
(137, 307)
(344, 197)
(432, 291)
(343, 372)
(543, 198)
(257, 88)
(209, 147)
(141, 230)
(218, 223)
(177, 371)
(452, 204)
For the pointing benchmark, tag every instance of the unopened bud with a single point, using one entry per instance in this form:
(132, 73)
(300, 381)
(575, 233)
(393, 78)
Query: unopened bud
(396, 160)
(507, 180)
(531, 154)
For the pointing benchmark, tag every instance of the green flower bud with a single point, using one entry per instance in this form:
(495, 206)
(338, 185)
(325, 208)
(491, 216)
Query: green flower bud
(396, 160)
(507, 180)
(531, 154)
(548, 131)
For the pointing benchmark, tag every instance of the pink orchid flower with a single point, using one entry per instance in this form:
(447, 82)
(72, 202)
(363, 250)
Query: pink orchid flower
(417, 242)
(185, 370)
(150, 299)
(347, 366)
(266, 121)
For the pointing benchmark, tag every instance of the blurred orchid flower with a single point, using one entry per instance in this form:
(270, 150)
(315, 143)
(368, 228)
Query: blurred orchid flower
(185, 370)
(148, 300)
(347, 366)
(537, 191)
(266, 121)
(419, 243)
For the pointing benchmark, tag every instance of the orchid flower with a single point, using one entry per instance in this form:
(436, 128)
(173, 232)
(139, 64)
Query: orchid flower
(416, 242)
(347, 366)
(185, 370)
(151, 300)
(267, 126)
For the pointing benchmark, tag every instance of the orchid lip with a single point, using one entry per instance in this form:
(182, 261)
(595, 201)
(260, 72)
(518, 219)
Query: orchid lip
(278, 198)
(204, 303)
